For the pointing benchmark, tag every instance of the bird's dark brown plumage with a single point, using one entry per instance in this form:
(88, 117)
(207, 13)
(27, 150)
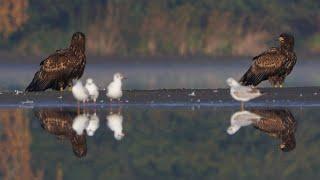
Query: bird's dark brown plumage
(273, 65)
(280, 124)
(60, 68)
(59, 123)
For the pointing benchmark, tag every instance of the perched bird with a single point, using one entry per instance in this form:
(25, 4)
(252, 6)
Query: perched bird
(274, 65)
(240, 119)
(115, 87)
(93, 124)
(80, 92)
(93, 90)
(242, 93)
(115, 125)
(59, 123)
(280, 124)
(80, 123)
(59, 69)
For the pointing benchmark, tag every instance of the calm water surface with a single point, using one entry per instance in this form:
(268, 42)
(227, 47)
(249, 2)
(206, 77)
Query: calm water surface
(158, 75)
(159, 143)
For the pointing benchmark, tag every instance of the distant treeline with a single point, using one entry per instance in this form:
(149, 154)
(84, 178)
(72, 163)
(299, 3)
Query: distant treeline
(164, 27)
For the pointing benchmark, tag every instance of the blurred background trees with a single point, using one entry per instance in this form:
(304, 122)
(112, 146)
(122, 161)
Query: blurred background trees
(166, 27)
(13, 14)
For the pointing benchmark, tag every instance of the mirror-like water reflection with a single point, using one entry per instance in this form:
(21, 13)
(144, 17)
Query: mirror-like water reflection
(277, 123)
(167, 143)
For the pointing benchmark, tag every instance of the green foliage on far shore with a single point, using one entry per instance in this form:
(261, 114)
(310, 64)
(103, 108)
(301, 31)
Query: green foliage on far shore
(166, 27)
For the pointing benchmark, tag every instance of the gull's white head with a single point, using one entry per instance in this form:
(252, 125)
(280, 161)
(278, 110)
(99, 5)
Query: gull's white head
(89, 81)
(232, 129)
(118, 76)
(232, 82)
(118, 135)
(77, 84)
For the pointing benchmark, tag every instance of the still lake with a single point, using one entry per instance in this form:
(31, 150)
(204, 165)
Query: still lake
(159, 142)
(159, 75)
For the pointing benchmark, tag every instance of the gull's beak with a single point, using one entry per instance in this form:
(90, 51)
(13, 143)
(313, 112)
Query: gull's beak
(124, 78)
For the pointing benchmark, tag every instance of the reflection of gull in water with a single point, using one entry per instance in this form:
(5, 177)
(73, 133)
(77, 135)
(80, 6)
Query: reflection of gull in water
(277, 123)
(80, 123)
(93, 124)
(240, 119)
(115, 124)
(242, 93)
(59, 123)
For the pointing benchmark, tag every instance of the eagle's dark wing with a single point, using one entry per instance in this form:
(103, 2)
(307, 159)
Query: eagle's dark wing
(59, 123)
(55, 121)
(275, 121)
(54, 72)
(292, 60)
(263, 66)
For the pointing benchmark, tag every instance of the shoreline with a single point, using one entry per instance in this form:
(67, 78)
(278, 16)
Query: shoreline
(274, 97)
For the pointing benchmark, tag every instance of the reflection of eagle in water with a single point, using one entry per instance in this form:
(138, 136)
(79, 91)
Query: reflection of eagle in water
(273, 65)
(280, 124)
(60, 68)
(59, 123)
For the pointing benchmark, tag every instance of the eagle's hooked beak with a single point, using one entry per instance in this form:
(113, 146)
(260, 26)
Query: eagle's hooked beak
(282, 146)
(281, 39)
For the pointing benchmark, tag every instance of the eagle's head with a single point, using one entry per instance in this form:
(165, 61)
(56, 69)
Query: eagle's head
(286, 41)
(78, 41)
(79, 147)
(288, 143)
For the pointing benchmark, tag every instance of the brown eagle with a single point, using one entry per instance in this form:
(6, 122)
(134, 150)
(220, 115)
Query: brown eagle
(59, 123)
(274, 64)
(280, 124)
(60, 68)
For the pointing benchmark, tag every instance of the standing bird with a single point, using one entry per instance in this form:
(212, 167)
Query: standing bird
(242, 93)
(273, 65)
(115, 87)
(115, 125)
(80, 92)
(93, 90)
(59, 69)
